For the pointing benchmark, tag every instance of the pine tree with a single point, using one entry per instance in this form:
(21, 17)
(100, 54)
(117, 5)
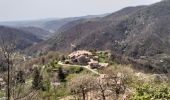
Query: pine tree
(63, 58)
(61, 75)
(37, 80)
(20, 77)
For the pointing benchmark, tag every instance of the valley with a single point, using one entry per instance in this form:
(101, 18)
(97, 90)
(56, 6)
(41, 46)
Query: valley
(124, 55)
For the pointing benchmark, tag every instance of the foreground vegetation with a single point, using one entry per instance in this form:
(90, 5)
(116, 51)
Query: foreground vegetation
(46, 79)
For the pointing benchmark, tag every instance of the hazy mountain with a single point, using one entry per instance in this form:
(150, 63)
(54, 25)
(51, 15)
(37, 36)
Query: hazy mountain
(39, 32)
(139, 32)
(26, 23)
(75, 23)
(23, 39)
(51, 24)
(82, 33)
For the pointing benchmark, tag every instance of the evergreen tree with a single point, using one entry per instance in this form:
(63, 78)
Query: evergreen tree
(37, 80)
(63, 58)
(20, 77)
(61, 75)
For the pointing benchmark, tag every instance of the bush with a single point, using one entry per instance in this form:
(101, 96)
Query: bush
(2, 94)
(20, 77)
(61, 74)
(152, 92)
(61, 91)
(37, 82)
(75, 69)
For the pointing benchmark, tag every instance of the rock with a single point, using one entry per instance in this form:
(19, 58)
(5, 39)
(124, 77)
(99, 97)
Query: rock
(96, 58)
(103, 65)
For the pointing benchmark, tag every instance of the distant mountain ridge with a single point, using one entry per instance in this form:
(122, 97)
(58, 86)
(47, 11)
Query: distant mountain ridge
(51, 24)
(24, 39)
(38, 32)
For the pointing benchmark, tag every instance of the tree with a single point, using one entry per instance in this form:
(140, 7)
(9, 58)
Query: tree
(62, 58)
(37, 80)
(118, 79)
(81, 85)
(7, 49)
(43, 60)
(102, 86)
(61, 74)
(20, 77)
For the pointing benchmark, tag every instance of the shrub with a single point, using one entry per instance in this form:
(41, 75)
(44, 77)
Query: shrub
(2, 94)
(61, 91)
(37, 80)
(152, 92)
(75, 69)
(20, 77)
(61, 74)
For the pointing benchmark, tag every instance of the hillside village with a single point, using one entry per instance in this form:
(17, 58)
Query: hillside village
(86, 58)
(121, 55)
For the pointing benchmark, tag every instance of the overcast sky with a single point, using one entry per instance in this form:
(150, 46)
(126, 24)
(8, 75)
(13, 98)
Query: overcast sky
(39, 9)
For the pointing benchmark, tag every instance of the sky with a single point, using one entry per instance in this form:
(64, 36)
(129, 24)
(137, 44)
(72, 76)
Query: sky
(14, 10)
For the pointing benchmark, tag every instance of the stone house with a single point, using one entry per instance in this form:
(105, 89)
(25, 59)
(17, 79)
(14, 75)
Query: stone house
(80, 57)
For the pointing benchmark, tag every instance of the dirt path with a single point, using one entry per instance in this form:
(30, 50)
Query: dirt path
(86, 67)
